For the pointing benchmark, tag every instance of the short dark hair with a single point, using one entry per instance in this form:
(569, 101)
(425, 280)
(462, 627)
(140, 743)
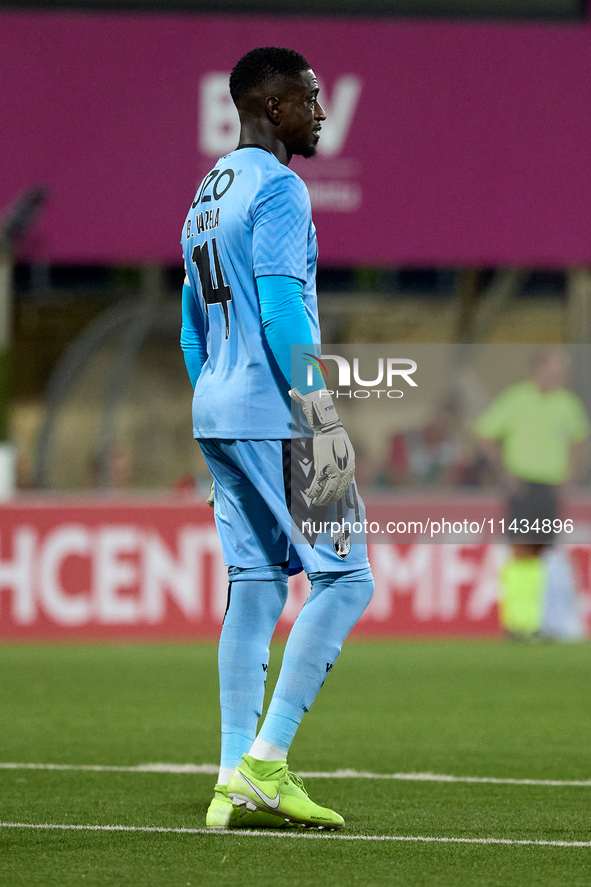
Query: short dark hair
(264, 64)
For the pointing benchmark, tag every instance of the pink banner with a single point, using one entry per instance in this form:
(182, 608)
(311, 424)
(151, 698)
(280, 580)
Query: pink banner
(445, 143)
(108, 571)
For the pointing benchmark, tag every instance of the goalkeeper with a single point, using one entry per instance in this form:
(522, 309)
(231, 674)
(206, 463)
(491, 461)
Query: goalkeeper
(279, 456)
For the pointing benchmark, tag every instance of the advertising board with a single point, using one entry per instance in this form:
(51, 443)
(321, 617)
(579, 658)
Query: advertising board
(108, 571)
(445, 143)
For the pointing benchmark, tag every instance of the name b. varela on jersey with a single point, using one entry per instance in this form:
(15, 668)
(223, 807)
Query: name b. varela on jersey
(251, 218)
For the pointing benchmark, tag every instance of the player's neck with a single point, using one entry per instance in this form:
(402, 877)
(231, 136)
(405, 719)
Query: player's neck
(254, 136)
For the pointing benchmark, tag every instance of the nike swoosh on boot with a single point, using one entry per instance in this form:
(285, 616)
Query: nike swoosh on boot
(270, 802)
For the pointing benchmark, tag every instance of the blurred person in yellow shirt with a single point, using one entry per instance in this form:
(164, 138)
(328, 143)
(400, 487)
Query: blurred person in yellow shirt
(536, 434)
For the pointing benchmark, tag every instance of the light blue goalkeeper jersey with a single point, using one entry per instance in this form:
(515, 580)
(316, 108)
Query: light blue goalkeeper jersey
(251, 218)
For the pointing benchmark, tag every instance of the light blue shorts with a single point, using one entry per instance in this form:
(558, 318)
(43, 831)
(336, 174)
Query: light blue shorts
(263, 516)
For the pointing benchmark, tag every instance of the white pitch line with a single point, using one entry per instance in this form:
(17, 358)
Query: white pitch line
(212, 769)
(323, 836)
(207, 769)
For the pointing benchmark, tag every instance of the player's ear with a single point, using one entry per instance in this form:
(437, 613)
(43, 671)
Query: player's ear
(273, 110)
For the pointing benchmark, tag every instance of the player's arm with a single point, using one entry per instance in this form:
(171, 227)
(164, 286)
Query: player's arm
(578, 461)
(280, 255)
(285, 322)
(193, 339)
(281, 301)
(491, 429)
(194, 344)
(579, 430)
(281, 223)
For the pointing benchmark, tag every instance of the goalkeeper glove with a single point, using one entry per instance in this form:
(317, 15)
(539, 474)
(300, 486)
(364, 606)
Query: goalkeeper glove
(334, 457)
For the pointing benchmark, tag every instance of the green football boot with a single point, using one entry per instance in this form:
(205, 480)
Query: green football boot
(223, 814)
(270, 787)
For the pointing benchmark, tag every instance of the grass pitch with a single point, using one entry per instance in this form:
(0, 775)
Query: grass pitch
(466, 709)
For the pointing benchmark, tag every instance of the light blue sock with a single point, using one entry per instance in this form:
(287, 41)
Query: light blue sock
(335, 604)
(256, 600)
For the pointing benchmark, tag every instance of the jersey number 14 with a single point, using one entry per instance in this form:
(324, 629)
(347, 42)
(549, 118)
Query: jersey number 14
(213, 294)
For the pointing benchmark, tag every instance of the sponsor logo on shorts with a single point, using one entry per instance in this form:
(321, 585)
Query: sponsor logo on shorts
(341, 541)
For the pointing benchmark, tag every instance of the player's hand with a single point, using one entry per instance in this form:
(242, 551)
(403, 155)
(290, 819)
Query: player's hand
(334, 457)
(210, 498)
